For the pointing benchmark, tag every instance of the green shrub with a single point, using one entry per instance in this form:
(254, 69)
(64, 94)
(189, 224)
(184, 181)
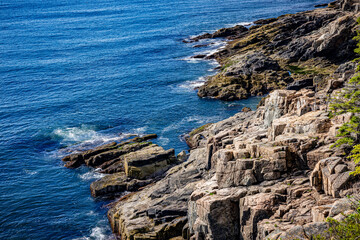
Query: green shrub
(348, 101)
(347, 229)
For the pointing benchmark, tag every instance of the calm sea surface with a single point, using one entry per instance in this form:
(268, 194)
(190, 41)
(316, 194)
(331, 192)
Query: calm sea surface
(75, 74)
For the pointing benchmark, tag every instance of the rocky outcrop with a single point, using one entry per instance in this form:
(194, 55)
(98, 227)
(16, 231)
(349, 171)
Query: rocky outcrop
(303, 49)
(229, 33)
(250, 74)
(131, 164)
(264, 186)
(249, 177)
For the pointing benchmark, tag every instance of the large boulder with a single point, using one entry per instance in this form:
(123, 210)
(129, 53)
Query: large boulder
(331, 175)
(148, 161)
(116, 184)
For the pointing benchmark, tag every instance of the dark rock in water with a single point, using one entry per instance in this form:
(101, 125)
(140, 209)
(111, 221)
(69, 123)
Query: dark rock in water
(109, 157)
(246, 109)
(265, 21)
(109, 185)
(114, 185)
(122, 149)
(199, 56)
(144, 138)
(203, 36)
(78, 159)
(74, 161)
(300, 84)
(321, 5)
(201, 45)
(229, 33)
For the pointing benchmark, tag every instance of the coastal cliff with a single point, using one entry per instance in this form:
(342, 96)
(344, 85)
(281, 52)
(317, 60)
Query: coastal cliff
(263, 174)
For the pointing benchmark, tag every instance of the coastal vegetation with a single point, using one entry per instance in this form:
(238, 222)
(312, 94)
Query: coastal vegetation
(348, 101)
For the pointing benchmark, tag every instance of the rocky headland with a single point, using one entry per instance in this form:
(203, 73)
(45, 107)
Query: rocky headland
(263, 174)
(292, 51)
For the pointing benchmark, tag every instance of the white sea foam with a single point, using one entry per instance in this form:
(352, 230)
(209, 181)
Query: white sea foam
(81, 138)
(92, 175)
(91, 213)
(98, 233)
(192, 85)
(29, 172)
(192, 60)
(201, 119)
(84, 135)
(140, 130)
(75, 134)
(163, 140)
(245, 24)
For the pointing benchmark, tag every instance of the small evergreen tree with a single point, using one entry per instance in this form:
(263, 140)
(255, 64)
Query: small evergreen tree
(346, 229)
(348, 101)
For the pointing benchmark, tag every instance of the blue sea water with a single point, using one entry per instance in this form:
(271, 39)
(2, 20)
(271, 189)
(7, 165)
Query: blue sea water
(75, 74)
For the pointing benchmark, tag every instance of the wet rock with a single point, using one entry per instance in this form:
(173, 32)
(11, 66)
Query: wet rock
(229, 33)
(321, 5)
(116, 184)
(78, 159)
(144, 138)
(199, 56)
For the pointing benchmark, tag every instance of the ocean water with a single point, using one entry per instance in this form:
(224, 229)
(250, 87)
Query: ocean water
(76, 74)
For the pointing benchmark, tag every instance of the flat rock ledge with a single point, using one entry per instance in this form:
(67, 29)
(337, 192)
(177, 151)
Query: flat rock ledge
(131, 165)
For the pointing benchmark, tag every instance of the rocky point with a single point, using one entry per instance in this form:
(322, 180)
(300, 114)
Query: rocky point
(263, 174)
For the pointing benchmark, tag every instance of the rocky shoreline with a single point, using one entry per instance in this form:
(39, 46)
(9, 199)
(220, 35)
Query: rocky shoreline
(263, 174)
(278, 53)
